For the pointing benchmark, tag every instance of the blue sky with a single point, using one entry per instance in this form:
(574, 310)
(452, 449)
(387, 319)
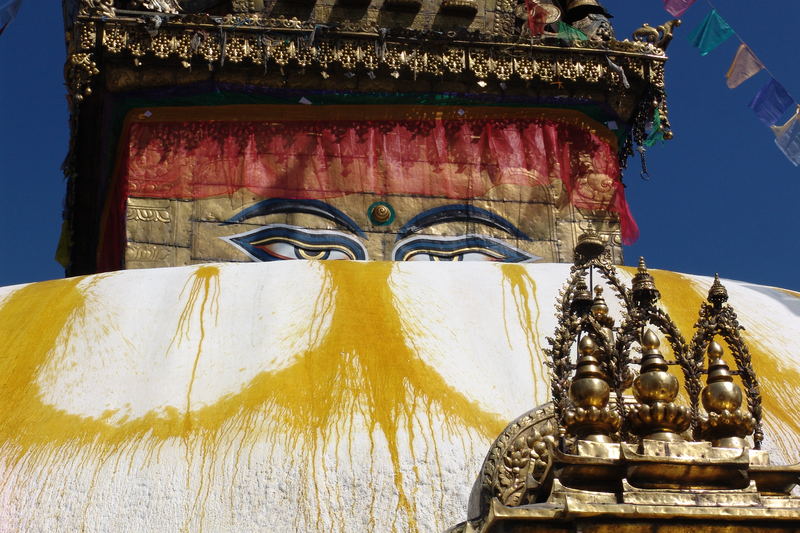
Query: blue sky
(721, 196)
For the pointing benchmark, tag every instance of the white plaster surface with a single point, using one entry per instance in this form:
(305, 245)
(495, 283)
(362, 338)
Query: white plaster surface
(184, 399)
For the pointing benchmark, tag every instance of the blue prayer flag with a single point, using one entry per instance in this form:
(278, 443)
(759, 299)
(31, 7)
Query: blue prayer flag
(712, 32)
(8, 10)
(771, 102)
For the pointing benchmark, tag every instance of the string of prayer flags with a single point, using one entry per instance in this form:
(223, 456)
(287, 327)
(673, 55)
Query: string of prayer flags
(676, 8)
(771, 102)
(712, 32)
(787, 137)
(745, 65)
(8, 10)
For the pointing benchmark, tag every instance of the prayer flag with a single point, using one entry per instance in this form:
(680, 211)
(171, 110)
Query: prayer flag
(567, 32)
(787, 137)
(619, 70)
(745, 65)
(676, 8)
(536, 17)
(657, 134)
(771, 102)
(8, 10)
(712, 32)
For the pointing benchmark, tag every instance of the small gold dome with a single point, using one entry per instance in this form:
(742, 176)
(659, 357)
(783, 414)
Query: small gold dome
(586, 346)
(599, 307)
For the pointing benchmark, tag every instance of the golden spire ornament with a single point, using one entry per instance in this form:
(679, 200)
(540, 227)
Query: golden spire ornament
(725, 426)
(589, 417)
(655, 416)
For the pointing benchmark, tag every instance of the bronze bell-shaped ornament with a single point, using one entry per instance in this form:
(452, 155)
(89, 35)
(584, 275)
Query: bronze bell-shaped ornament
(590, 245)
(656, 416)
(581, 302)
(589, 417)
(643, 287)
(725, 426)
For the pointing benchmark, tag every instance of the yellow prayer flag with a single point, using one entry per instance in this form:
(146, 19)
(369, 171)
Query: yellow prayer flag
(745, 65)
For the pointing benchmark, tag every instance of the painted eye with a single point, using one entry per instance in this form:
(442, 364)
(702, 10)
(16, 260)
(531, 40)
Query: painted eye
(461, 248)
(278, 242)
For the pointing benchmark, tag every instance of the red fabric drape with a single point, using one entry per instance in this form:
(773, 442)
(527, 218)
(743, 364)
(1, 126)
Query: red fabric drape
(457, 159)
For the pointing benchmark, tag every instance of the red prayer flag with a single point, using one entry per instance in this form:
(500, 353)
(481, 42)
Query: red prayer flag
(536, 17)
(676, 8)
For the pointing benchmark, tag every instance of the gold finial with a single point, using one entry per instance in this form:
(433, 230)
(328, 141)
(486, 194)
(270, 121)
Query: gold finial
(714, 350)
(650, 342)
(725, 425)
(643, 287)
(581, 299)
(655, 416)
(590, 245)
(589, 417)
(587, 345)
(599, 307)
(664, 386)
(718, 294)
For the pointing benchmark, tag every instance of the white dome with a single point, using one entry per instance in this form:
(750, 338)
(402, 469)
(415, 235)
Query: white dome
(308, 396)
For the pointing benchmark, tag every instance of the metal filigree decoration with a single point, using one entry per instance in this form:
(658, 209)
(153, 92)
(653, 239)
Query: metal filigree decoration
(717, 318)
(573, 312)
(642, 312)
(517, 467)
(577, 316)
(660, 36)
(363, 46)
(585, 465)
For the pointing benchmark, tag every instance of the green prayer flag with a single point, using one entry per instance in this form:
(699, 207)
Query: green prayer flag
(658, 132)
(712, 32)
(568, 33)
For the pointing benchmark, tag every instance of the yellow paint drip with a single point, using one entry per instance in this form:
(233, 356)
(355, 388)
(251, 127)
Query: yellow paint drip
(523, 289)
(359, 367)
(682, 300)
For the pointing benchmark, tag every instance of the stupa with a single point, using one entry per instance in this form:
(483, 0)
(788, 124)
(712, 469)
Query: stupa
(359, 386)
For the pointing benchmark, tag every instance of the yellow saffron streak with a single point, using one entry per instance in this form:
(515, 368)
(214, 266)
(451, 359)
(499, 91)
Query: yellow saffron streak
(523, 289)
(777, 382)
(359, 368)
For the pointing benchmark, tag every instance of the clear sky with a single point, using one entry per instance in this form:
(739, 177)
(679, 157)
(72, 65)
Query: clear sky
(721, 197)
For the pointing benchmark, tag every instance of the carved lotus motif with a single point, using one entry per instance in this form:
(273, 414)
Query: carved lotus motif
(588, 416)
(645, 418)
(734, 423)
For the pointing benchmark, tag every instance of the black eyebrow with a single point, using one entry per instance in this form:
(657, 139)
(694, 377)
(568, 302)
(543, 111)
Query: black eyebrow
(285, 205)
(459, 213)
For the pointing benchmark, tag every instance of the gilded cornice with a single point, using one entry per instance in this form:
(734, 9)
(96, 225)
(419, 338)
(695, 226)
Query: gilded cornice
(353, 48)
(627, 75)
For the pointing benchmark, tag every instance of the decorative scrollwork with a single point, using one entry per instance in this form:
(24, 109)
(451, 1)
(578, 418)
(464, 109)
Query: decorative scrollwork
(660, 36)
(518, 464)
(640, 310)
(717, 318)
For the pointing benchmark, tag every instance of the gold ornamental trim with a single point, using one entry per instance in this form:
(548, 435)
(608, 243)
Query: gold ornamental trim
(290, 43)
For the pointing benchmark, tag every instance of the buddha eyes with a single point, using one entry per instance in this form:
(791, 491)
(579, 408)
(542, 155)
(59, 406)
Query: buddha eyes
(461, 248)
(278, 242)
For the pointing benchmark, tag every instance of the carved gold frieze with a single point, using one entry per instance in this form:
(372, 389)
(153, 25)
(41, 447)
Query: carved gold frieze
(146, 252)
(573, 63)
(148, 214)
